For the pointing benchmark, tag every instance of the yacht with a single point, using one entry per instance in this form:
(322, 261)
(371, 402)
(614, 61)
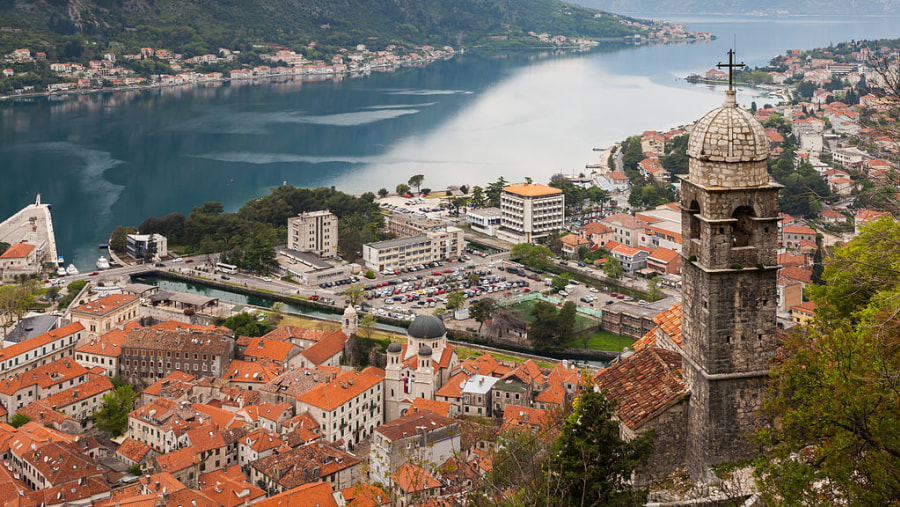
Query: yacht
(102, 263)
(61, 271)
(71, 270)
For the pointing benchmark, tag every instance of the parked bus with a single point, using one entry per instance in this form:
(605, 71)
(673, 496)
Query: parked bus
(226, 268)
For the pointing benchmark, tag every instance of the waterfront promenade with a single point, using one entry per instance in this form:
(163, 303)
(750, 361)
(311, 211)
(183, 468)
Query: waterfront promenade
(34, 225)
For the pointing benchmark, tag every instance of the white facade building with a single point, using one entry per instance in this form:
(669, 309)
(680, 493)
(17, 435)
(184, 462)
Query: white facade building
(530, 211)
(316, 232)
(395, 254)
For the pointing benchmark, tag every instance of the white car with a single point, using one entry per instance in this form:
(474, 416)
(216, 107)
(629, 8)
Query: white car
(266, 279)
(594, 290)
(563, 293)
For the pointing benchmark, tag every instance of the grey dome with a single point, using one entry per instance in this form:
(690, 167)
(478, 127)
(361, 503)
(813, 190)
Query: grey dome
(425, 351)
(394, 347)
(426, 327)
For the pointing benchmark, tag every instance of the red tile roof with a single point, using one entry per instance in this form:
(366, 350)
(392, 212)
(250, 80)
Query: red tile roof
(263, 348)
(411, 478)
(800, 274)
(532, 190)
(420, 405)
(669, 322)
(452, 388)
(98, 385)
(133, 449)
(365, 495)
(798, 229)
(664, 254)
(229, 487)
(643, 384)
(40, 340)
(178, 460)
(411, 423)
(342, 389)
(108, 344)
(326, 348)
(314, 493)
(17, 251)
(105, 305)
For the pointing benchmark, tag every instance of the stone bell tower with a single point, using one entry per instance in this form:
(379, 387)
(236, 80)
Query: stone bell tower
(729, 213)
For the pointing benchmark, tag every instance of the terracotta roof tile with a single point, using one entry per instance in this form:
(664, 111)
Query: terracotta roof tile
(342, 389)
(133, 450)
(40, 340)
(452, 388)
(642, 384)
(316, 493)
(108, 344)
(177, 460)
(420, 405)
(326, 348)
(229, 487)
(797, 273)
(262, 348)
(518, 417)
(286, 333)
(365, 495)
(664, 254)
(410, 423)
(411, 478)
(17, 251)
(257, 372)
(104, 305)
(205, 438)
(298, 466)
(669, 322)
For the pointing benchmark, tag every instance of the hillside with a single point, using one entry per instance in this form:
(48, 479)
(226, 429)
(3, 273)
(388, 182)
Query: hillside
(204, 25)
(811, 7)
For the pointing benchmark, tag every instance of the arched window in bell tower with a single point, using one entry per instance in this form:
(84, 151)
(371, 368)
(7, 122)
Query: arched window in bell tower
(742, 230)
(694, 211)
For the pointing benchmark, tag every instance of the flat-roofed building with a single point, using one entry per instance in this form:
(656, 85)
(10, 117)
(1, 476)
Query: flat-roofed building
(137, 246)
(530, 211)
(395, 254)
(151, 354)
(486, 220)
(106, 313)
(315, 231)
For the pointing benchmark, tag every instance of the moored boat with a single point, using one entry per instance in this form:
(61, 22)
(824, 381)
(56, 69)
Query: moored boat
(71, 270)
(102, 263)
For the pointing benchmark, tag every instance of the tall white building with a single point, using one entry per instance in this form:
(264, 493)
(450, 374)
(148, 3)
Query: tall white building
(439, 244)
(530, 211)
(315, 231)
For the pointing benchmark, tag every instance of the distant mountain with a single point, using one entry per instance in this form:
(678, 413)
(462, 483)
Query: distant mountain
(654, 7)
(326, 22)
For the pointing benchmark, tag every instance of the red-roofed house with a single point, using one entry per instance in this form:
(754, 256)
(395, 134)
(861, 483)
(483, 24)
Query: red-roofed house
(183, 464)
(278, 352)
(19, 259)
(596, 233)
(316, 493)
(230, 488)
(794, 234)
(413, 484)
(572, 243)
(103, 351)
(803, 313)
(106, 313)
(51, 346)
(632, 259)
(650, 394)
(664, 261)
(349, 408)
(423, 437)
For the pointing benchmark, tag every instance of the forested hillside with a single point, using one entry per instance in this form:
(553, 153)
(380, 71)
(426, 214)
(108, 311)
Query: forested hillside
(205, 25)
(830, 7)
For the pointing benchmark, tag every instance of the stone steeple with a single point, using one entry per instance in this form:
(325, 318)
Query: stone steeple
(730, 230)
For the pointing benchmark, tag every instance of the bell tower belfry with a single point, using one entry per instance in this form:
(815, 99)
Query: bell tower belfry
(729, 212)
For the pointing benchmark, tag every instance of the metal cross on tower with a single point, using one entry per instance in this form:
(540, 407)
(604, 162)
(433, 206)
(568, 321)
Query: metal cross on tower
(731, 66)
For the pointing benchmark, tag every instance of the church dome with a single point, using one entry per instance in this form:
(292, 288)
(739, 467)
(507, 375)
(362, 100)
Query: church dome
(425, 351)
(394, 348)
(426, 327)
(728, 148)
(349, 311)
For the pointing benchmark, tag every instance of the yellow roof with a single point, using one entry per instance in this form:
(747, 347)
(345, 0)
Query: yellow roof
(531, 190)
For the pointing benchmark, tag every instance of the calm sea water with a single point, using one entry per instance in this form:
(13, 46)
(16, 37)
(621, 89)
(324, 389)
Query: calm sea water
(116, 158)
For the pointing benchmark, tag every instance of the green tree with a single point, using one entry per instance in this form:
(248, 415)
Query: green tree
(566, 321)
(559, 282)
(18, 420)
(455, 300)
(613, 268)
(533, 256)
(478, 198)
(835, 396)
(544, 325)
(355, 293)
(117, 238)
(482, 311)
(382, 192)
(416, 181)
(113, 413)
(402, 189)
(654, 292)
(366, 324)
(245, 324)
(592, 465)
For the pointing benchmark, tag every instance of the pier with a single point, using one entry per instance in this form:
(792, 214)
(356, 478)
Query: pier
(33, 225)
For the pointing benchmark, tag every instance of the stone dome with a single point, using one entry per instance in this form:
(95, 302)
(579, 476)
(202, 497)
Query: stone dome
(425, 351)
(728, 148)
(426, 327)
(349, 311)
(394, 348)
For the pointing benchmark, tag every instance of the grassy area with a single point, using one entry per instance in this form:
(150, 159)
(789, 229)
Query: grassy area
(466, 353)
(602, 340)
(523, 310)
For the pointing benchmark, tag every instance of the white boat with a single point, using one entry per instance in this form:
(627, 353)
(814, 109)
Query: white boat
(61, 272)
(71, 270)
(102, 263)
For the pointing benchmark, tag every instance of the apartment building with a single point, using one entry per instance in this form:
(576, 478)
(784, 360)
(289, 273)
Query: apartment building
(315, 231)
(530, 211)
(423, 438)
(151, 354)
(46, 348)
(396, 254)
(348, 408)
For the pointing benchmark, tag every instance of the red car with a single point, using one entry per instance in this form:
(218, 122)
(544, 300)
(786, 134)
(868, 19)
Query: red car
(94, 273)
(189, 261)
